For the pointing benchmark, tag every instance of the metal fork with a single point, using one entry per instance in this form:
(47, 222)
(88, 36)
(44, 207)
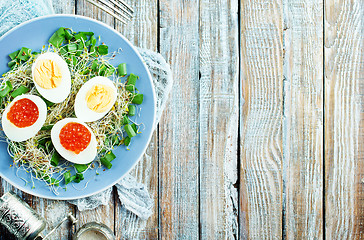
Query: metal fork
(118, 9)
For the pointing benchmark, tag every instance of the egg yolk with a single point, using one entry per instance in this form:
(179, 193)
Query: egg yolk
(99, 98)
(23, 113)
(75, 137)
(47, 74)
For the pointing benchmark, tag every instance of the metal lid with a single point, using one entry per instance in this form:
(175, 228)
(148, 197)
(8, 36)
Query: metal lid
(94, 230)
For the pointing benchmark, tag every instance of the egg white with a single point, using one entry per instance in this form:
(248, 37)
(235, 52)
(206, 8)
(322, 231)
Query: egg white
(81, 109)
(17, 134)
(84, 157)
(60, 93)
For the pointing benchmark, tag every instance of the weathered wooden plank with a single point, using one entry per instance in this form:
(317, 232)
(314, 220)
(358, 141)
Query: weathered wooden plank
(53, 211)
(179, 129)
(219, 57)
(344, 154)
(261, 120)
(89, 10)
(64, 6)
(127, 224)
(142, 31)
(104, 214)
(303, 119)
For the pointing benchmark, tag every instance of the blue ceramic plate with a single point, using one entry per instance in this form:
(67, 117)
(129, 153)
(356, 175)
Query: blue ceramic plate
(34, 34)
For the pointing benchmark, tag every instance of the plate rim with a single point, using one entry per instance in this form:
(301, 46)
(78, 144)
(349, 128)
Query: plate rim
(58, 197)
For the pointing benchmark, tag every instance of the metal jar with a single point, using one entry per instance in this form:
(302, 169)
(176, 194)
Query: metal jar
(21, 220)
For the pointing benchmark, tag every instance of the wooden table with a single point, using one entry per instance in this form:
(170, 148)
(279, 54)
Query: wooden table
(262, 137)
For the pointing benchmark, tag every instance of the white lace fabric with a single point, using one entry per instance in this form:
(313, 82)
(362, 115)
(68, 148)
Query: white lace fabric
(133, 195)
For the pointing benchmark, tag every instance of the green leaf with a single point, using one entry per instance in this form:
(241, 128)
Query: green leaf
(110, 71)
(125, 120)
(122, 70)
(102, 70)
(67, 177)
(55, 159)
(127, 140)
(24, 54)
(68, 35)
(14, 54)
(80, 167)
(131, 81)
(93, 51)
(106, 162)
(35, 54)
(6, 89)
(63, 50)
(47, 127)
(57, 38)
(109, 156)
(72, 47)
(12, 63)
(129, 130)
(19, 91)
(80, 176)
(134, 126)
(81, 35)
(94, 65)
(74, 60)
(102, 49)
(115, 140)
(89, 33)
(93, 40)
(132, 110)
(138, 98)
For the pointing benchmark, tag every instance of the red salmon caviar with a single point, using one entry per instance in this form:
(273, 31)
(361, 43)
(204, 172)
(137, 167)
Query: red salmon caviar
(23, 113)
(75, 137)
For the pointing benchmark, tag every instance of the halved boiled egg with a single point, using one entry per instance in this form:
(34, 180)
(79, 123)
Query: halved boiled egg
(24, 117)
(74, 141)
(95, 99)
(51, 77)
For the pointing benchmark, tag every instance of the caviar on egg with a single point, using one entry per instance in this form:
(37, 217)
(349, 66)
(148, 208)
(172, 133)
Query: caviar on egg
(74, 141)
(24, 117)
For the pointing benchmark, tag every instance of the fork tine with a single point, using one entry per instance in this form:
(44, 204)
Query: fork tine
(126, 10)
(106, 10)
(114, 9)
(126, 5)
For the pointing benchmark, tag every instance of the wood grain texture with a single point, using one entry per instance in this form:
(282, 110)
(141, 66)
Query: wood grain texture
(301, 122)
(344, 155)
(64, 6)
(127, 224)
(142, 31)
(179, 129)
(303, 119)
(218, 100)
(261, 183)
